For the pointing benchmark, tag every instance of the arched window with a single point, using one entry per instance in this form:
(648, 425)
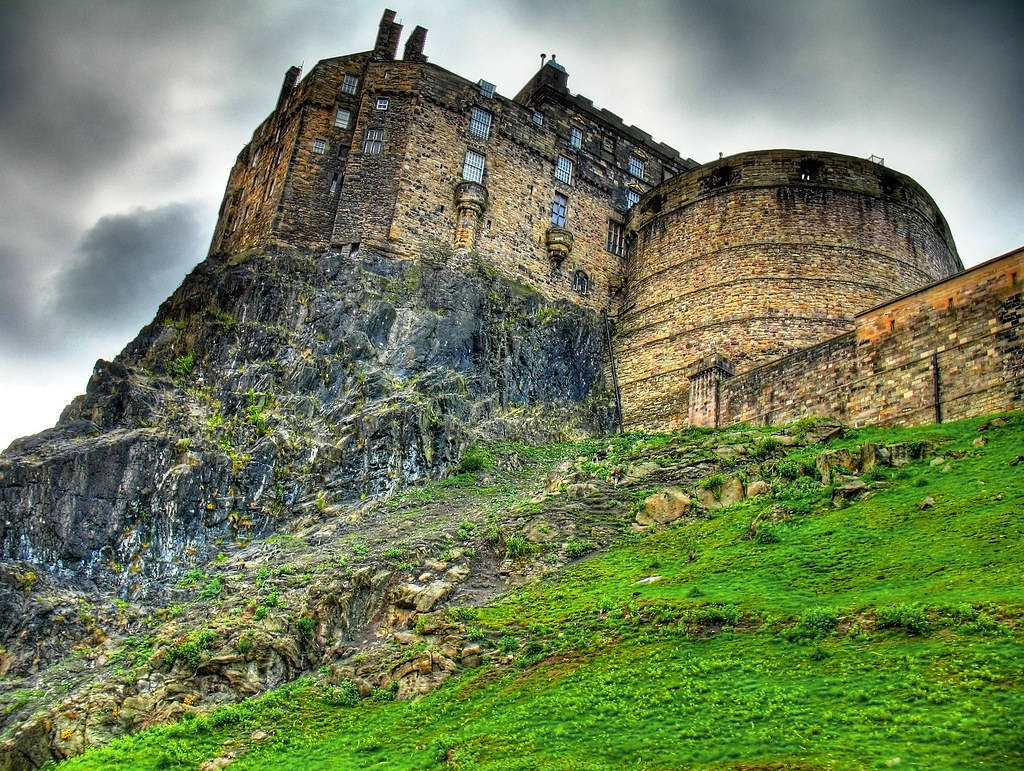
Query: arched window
(581, 283)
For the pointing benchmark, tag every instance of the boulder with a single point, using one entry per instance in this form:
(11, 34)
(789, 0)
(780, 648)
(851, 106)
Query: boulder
(757, 488)
(432, 594)
(830, 461)
(664, 507)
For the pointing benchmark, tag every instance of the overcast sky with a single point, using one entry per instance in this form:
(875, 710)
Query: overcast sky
(119, 122)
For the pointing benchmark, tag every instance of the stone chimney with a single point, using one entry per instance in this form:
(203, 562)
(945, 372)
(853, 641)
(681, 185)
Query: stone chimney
(550, 77)
(290, 79)
(414, 45)
(387, 37)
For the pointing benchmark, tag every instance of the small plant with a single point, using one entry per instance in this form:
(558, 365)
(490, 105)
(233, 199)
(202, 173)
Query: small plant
(475, 459)
(814, 624)
(385, 694)
(182, 366)
(764, 448)
(766, 534)
(912, 617)
(508, 644)
(516, 546)
(262, 575)
(213, 589)
(344, 695)
(192, 577)
(396, 553)
(306, 625)
(188, 647)
(360, 549)
(577, 548)
(321, 501)
(465, 529)
(712, 482)
(244, 643)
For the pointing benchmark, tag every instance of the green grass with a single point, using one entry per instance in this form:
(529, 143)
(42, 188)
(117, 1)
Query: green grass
(876, 635)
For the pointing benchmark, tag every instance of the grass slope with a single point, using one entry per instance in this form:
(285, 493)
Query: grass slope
(880, 634)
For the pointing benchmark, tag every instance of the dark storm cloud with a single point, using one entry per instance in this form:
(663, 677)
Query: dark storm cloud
(126, 264)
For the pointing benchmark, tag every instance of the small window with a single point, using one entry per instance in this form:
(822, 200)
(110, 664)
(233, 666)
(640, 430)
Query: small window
(341, 118)
(538, 118)
(319, 146)
(581, 283)
(563, 170)
(636, 167)
(616, 237)
(632, 198)
(335, 179)
(558, 207)
(486, 89)
(576, 137)
(374, 141)
(350, 84)
(382, 103)
(480, 123)
(473, 168)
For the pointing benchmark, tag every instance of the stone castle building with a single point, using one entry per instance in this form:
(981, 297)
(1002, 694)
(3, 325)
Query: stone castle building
(738, 288)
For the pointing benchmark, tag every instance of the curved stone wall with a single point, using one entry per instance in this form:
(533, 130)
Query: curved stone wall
(760, 254)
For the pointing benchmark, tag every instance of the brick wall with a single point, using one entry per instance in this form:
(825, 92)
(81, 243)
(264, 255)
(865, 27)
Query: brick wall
(965, 329)
(759, 255)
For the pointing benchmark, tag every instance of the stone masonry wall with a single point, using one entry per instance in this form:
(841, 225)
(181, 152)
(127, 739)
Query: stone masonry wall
(759, 255)
(967, 329)
(519, 176)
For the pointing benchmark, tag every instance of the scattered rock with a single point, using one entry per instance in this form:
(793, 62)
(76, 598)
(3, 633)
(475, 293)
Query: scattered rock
(758, 488)
(1017, 460)
(823, 431)
(649, 580)
(785, 440)
(728, 451)
(664, 507)
(831, 462)
(848, 491)
(927, 503)
(216, 764)
(258, 736)
(432, 594)
(938, 460)
(981, 441)
(575, 492)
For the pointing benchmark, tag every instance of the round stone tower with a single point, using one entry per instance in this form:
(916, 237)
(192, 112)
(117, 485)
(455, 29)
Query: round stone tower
(759, 254)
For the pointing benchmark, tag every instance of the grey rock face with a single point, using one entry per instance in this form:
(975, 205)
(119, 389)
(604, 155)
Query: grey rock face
(276, 382)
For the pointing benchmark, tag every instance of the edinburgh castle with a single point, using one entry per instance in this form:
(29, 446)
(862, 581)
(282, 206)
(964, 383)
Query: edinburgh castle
(762, 287)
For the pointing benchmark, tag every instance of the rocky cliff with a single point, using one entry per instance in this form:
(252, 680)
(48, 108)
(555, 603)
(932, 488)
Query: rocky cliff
(273, 385)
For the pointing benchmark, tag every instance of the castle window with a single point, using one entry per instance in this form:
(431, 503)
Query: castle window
(636, 167)
(334, 183)
(350, 84)
(580, 283)
(473, 168)
(563, 170)
(538, 118)
(341, 118)
(486, 89)
(616, 237)
(374, 142)
(576, 137)
(382, 103)
(632, 198)
(558, 207)
(480, 123)
(319, 146)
